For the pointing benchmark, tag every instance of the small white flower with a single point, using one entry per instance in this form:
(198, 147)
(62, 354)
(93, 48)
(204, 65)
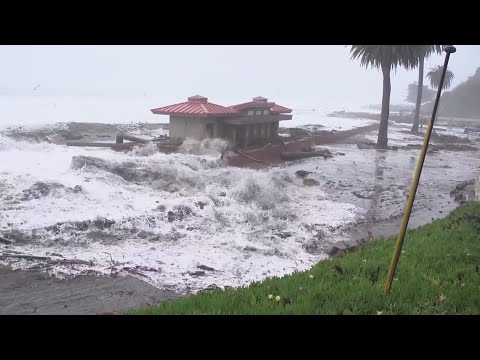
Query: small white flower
(277, 298)
(364, 260)
(270, 296)
(379, 312)
(311, 276)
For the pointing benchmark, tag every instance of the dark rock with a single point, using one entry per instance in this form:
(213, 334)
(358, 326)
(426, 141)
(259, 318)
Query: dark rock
(362, 241)
(103, 223)
(15, 236)
(181, 211)
(171, 216)
(339, 246)
(351, 245)
(200, 204)
(78, 189)
(284, 234)
(337, 249)
(222, 193)
(320, 235)
(5, 241)
(161, 208)
(464, 184)
(80, 225)
(338, 253)
(250, 248)
(310, 182)
(39, 189)
(143, 234)
(196, 273)
(313, 247)
(302, 173)
(204, 267)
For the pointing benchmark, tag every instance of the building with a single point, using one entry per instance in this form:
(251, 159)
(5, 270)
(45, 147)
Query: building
(252, 123)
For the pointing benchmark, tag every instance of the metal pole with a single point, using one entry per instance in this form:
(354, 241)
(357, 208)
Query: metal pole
(418, 171)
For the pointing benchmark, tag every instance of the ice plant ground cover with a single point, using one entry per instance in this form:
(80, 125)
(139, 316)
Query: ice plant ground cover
(438, 273)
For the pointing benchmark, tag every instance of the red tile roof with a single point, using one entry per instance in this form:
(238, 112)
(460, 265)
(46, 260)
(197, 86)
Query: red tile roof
(258, 102)
(196, 106)
(199, 106)
(280, 109)
(261, 102)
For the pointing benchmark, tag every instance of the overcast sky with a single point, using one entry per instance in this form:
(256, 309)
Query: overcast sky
(294, 74)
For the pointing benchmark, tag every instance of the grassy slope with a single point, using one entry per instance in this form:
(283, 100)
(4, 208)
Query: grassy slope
(438, 273)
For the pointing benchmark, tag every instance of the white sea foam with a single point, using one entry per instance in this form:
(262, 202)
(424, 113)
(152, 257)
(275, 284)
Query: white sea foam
(245, 224)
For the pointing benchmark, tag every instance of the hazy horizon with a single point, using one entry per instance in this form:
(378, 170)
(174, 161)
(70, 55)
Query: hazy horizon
(293, 74)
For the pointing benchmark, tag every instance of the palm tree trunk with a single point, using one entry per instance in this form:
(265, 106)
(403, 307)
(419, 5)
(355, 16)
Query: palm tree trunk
(383, 130)
(419, 95)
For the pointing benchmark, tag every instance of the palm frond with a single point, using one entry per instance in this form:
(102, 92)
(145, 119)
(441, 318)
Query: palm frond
(435, 75)
(375, 56)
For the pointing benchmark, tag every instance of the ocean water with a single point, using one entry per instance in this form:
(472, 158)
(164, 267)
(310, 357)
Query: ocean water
(165, 215)
(38, 111)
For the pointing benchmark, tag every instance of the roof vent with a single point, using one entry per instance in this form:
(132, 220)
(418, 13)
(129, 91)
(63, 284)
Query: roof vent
(260, 99)
(198, 99)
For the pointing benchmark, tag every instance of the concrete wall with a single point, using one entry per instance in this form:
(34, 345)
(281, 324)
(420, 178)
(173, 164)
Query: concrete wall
(192, 127)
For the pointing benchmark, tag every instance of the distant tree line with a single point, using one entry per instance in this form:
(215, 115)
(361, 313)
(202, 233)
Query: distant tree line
(412, 91)
(462, 101)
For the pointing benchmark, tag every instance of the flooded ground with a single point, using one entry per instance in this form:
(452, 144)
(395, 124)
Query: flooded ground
(186, 222)
(379, 182)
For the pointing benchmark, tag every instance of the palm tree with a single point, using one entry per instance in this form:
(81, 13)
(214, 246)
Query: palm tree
(435, 74)
(386, 57)
(427, 51)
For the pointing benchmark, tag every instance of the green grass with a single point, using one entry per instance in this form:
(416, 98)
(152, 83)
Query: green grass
(438, 273)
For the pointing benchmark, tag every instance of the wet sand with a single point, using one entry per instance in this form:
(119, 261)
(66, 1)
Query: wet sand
(34, 292)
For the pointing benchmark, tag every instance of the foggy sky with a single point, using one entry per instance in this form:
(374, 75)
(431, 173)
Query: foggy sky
(225, 74)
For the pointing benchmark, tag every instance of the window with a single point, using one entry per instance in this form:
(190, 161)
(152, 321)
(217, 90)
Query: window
(250, 112)
(265, 112)
(258, 112)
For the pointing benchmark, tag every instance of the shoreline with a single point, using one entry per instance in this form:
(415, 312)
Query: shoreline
(36, 292)
(24, 292)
